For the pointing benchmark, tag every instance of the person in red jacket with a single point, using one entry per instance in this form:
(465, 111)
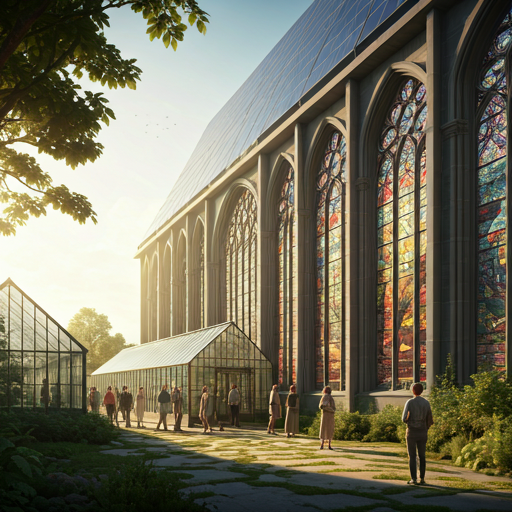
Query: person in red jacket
(110, 403)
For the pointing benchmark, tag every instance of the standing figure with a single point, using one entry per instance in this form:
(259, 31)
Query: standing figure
(91, 398)
(164, 402)
(203, 410)
(177, 401)
(44, 397)
(328, 408)
(291, 423)
(126, 405)
(139, 407)
(418, 417)
(234, 405)
(96, 401)
(118, 398)
(274, 409)
(109, 401)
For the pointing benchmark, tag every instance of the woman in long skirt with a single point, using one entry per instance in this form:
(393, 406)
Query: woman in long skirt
(328, 407)
(203, 410)
(274, 409)
(291, 423)
(140, 408)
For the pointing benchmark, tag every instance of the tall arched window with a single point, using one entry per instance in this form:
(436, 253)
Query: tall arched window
(330, 248)
(402, 240)
(241, 266)
(493, 98)
(287, 300)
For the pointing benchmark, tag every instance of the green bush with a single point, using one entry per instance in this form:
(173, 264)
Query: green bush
(386, 425)
(348, 426)
(138, 487)
(71, 426)
(18, 465)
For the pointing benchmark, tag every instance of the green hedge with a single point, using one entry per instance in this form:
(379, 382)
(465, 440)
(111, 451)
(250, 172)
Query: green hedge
(70, 426)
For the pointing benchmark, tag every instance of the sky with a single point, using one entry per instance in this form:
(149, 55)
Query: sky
(64, 266)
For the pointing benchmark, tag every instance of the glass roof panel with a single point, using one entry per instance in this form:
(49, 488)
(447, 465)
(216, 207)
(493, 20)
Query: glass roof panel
(178, 350)
(326, 33)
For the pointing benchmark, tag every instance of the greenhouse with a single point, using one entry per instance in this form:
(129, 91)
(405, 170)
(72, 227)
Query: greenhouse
(41, 365)
(216, 356)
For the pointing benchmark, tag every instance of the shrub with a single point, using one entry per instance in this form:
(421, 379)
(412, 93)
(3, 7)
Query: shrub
(385, 425)
(138, 487)
(71, 426)
(18, 465)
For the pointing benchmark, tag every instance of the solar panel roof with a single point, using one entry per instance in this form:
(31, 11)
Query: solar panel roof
(325, 34)
(173, 351)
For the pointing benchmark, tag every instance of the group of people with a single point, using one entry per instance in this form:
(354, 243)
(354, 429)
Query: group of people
(417, 415)
(167, 403)
(233, 402)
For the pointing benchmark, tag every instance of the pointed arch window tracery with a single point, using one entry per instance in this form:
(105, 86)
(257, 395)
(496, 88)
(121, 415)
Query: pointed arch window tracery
(241, 253)
(287, 300)
(402, 240)
(492, 169)
(330, 248)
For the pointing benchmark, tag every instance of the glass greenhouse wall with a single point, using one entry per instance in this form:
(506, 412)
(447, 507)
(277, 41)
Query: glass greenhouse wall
(216, 357)
(41, 365)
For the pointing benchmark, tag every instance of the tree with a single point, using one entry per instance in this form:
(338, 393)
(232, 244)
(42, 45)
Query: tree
(45, 47)
(92, 330)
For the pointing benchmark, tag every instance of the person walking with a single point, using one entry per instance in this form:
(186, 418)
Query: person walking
(177, 402)
(274, 409)
(140, 405)
(109, 401)
(234, 405)
(418, 417)
(328, 408)
(291, 423)
(96, 401)
(203, 410)
(164, 402)
(126, 405)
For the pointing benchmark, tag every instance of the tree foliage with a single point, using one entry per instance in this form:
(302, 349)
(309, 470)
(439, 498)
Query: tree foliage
(45, 47)
(92, 330)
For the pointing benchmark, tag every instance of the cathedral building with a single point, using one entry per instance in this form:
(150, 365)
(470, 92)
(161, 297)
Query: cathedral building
(347, 208)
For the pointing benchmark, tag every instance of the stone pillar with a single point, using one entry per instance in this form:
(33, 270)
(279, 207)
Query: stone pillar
(306, 289)
(351, 246)
(143, 303)
(264, 286)
(434, 198)
(460, 246)
(366, 286)
(209, 277)
(189, 305)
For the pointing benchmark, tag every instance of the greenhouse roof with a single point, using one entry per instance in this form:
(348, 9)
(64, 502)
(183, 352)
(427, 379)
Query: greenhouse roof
(174, 351)
(328, 35)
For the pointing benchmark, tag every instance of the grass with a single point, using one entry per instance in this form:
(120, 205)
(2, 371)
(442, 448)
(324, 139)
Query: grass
(391, 476)
(307, 464)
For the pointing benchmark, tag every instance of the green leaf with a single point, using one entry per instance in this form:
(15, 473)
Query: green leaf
(174, 44)
(22, 465)
(166, 39)
(192, 18)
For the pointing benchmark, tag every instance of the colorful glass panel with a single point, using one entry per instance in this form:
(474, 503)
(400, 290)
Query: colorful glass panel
(241, 266)
(401, 240)
(330, 247)
(491, 200)
(287, 299)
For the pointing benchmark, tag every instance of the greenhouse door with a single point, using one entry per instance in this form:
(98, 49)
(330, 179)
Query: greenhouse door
(242, 378)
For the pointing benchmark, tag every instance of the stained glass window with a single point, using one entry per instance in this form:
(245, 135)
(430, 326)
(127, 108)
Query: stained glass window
(287, 300)
(241, 266)
(330, 246)
(491, 199)
(402, 240)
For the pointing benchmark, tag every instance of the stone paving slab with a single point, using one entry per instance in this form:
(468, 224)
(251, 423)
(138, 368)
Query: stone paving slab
(180, 461)
(240, 496)
(123, 452)
(467, 502)
(211, 475)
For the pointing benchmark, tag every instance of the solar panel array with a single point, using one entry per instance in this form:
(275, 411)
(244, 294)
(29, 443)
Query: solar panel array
(326, 33)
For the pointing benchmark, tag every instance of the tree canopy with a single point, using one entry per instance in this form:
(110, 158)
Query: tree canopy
(45, 47)
(92, 330)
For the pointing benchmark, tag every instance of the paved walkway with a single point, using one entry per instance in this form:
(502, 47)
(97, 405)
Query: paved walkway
(248, 470)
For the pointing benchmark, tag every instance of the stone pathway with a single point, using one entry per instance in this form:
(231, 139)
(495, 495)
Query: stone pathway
(246, 470)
